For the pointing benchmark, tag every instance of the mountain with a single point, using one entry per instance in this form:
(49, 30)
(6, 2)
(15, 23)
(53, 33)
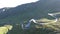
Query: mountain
(42, 6)
(25, 12)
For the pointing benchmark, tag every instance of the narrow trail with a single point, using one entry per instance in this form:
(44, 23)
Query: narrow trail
(35, 21)
(52, 15)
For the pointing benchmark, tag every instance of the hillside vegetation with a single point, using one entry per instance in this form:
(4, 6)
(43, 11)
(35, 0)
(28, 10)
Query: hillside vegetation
(39, 11)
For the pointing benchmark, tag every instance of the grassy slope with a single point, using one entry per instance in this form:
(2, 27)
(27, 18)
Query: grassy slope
(17, 19)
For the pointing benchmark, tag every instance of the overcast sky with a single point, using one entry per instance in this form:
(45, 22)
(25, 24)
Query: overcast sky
(14, 3)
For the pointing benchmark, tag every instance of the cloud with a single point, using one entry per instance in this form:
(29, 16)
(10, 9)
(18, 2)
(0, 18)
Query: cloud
(14, 3)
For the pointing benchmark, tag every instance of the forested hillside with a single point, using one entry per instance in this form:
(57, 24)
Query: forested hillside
(22, 13)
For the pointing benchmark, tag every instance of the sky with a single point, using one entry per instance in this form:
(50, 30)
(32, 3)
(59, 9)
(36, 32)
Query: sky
(14, 3)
